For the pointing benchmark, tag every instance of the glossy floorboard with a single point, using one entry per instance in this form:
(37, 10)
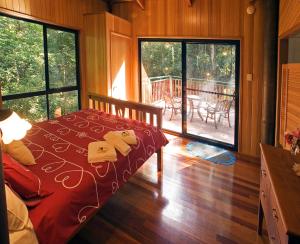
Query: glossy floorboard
(194, 201)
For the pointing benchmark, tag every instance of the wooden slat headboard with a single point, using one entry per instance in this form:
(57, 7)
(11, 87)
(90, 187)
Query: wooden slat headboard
(133, 110)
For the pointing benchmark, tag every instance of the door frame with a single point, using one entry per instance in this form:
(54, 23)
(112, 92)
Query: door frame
(184, 42)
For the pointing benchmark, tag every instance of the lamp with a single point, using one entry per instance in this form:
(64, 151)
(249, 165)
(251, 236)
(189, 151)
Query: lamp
(12, 127)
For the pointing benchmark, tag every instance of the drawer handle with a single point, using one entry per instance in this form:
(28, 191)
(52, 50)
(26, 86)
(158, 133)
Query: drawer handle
(263, 172)
(274, 214)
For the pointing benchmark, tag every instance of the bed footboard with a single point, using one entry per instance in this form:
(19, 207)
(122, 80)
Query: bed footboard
(132, 110)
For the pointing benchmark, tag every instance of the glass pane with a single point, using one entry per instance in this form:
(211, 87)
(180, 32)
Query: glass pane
(32, 108)
(61, 58)
(161, 80)
(21, 56)
(63, 103)
(211, 91)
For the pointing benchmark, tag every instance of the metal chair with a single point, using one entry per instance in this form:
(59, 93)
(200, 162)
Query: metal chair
(173, 103)
(221, 108)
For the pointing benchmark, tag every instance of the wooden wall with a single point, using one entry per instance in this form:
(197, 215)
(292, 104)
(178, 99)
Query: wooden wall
(288, 92)
(289, 17)
(290, 97)
(225, 19)
(108, 47)
(67, 13)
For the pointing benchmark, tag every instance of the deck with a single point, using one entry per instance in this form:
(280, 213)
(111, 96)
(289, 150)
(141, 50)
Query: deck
(198, 127)
(164, 90)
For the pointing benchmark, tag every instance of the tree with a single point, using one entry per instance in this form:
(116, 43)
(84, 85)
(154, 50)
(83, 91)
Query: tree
(22, 67)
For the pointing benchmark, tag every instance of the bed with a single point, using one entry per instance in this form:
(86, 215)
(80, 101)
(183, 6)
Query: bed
(78, 188)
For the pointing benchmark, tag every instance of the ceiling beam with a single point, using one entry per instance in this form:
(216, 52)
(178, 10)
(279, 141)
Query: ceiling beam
(189, 2)
(141, 3)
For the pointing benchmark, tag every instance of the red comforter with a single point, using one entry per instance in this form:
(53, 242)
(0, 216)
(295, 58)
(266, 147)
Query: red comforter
(79, 188)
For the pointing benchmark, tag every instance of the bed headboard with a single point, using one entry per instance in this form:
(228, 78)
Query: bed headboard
(133, 110)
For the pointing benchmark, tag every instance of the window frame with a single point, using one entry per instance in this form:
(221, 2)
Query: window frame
(48, 91)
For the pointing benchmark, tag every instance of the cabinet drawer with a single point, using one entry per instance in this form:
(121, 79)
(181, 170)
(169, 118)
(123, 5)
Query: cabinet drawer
(277, 219)
(264, 176)
(264, 186)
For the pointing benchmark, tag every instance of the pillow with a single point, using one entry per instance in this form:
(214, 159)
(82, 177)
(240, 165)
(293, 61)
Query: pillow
(22, 180)
(17, 213)
(19, 225)
(20, 152)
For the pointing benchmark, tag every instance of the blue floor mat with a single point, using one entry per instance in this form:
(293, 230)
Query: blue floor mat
(211, 153)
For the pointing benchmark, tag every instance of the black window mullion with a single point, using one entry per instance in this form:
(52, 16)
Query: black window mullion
(77, 69)
(62, 89)
(183, 87)
(46, 68)
(23, 95)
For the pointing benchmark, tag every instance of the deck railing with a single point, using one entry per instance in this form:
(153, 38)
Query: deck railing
(155, 88)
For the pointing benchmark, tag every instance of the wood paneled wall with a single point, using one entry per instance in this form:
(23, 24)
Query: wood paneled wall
(289, 17)
(108, 47)
(288, 93)
(219, 19)
(67, 13)
(290, 97)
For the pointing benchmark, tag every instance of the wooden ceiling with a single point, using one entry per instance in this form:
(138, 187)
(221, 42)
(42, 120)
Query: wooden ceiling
(141, 3)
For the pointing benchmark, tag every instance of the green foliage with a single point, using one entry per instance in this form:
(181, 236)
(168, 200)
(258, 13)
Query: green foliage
(22, 67)
(21, 42)
(61, 58)
(161, 58)
(204, 61)
(32, 108)
(63, 102)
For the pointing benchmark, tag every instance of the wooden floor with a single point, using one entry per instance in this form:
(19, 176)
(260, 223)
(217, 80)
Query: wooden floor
(194, 201)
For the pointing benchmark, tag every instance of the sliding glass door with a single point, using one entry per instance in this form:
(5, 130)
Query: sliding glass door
(196, 84)
(211, 83)
(161, 83)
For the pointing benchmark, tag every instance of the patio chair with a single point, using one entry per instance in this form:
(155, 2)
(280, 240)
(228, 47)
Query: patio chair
(221, 108)
(173, 103)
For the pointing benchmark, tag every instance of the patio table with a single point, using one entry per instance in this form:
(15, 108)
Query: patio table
(195, 102)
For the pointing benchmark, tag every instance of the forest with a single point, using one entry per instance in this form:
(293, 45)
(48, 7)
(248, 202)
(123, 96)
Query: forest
(215, 62)
(32, 69)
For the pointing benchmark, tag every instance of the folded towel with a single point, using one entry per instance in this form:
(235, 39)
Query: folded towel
(127, 136)
(101, 151)
(118, 143)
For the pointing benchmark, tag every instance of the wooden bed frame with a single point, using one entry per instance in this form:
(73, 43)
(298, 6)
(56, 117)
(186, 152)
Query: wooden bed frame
(132, 110)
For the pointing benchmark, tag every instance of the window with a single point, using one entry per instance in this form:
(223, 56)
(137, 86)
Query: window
(38, 68)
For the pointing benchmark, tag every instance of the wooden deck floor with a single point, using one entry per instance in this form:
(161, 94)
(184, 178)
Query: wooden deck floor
(194, 201)
(199, 127)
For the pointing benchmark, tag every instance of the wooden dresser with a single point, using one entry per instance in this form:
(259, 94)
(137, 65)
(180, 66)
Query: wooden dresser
(279, 196)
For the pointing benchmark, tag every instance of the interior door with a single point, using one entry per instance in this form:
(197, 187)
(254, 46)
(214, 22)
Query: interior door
(120, 64)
